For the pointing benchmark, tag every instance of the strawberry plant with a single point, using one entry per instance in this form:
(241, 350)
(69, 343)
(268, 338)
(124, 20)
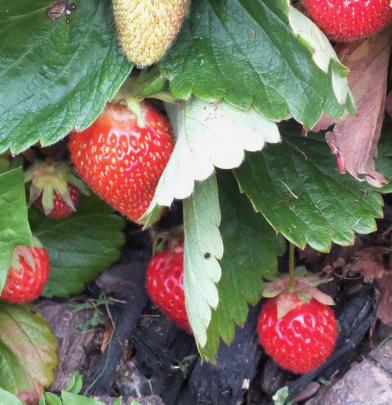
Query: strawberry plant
(260, 119)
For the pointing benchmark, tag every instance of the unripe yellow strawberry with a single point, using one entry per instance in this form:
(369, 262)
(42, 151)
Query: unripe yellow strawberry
(147, 28)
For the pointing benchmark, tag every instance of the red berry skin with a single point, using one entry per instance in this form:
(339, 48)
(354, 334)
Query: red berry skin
(301, 340)
(121, 161)
(349, 20)
(25, 284)
(61, 209)
(164, 282)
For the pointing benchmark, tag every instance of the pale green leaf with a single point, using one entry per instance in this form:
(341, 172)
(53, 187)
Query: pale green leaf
(203, 249)
(251, 250)
(6, 398)
(73, 399)
(209, 135)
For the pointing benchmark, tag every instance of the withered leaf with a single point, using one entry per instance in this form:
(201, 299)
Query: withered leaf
(354, 139)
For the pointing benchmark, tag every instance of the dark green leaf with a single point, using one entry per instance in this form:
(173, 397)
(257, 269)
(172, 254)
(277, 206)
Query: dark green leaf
(245, 52)
(14, 224)
(55, 75)
(27, 352)
(80, 247)
(384, 157)
(251, 250)
(298, 189)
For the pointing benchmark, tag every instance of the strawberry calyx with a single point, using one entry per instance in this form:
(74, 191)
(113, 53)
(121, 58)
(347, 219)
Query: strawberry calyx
(24, 252)
(49, 177)
(305, 290)
(166, 240)
(148, 83)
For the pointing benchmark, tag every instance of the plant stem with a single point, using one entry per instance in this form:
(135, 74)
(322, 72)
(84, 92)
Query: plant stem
(292, 282)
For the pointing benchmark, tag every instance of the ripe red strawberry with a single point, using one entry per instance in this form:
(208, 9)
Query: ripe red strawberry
(302, 336)
(349, 20)
(27, 275)
(164, 281)
(121, 160)
(54, 188)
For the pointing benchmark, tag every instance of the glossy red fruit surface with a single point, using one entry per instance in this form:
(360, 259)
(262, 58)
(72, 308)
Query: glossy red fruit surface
(349, 20)
(122, 161)
(164, 282)
(302, 339)
(61, 209)
(25, 284)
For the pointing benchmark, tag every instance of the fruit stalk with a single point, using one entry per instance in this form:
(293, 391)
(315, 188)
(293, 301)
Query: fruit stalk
(292, 282)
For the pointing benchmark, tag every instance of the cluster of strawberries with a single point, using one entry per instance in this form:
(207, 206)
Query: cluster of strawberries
(121, 157)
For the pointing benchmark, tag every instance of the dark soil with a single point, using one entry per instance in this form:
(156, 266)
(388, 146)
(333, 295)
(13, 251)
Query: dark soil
(137, 353)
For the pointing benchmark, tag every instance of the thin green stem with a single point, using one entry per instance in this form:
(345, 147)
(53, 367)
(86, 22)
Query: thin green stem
(292, 282)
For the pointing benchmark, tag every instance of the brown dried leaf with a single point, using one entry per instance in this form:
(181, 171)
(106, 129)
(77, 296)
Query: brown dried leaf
(384, 310)
(354, 139)
(369, 262)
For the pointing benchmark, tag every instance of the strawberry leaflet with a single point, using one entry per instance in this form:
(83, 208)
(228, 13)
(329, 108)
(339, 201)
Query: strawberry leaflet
(76, 257)
(203, 249)
(56, 75)
(27, 352)
(251, 248)
(297, 188)
(245, 52)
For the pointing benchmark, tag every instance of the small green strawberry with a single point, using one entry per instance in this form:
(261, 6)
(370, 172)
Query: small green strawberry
(147, 28)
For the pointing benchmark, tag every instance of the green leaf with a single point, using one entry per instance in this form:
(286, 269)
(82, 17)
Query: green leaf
(7, 398)
(75, 384)
(55, 75)
(209, 135)
(4, 164)
(324, 54)
(27, 352)
(72, 399)
(14, 224)
(80, 247)
(384, 157)
(298, 189)
(51, 399)
(203, 249)
(246, 52)
(251, 251)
